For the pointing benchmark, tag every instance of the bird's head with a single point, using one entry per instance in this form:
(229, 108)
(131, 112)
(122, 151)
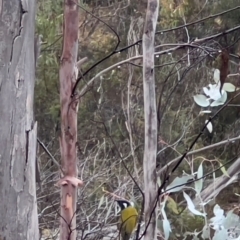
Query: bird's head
(124, 204)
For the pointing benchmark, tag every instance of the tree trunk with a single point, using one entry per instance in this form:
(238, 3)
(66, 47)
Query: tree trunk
(69, 109)
(150, 114)
(18, 208)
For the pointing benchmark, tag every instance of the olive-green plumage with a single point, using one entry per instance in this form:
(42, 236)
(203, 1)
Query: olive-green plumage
(128, 219)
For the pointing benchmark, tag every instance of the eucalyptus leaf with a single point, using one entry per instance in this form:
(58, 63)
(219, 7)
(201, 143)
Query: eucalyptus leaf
(218, 211)
(172, 205)
(221, 235)
(191, 206)
(216, 75)
(166, 228)
(209, 126)
(199, 183)
(195, 238)
(205, 111)
(231, 220)
(174, 186)
(221, 100)
(213, 91)
(159, 181)
(223, 169)
(201, 100)
(223, 97)
(216, 103)
(229, 87)
(206, 232)
(218, 219)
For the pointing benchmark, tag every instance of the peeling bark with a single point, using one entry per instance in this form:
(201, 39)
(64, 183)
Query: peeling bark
(150, 114)
(18, 136)
(69, 109)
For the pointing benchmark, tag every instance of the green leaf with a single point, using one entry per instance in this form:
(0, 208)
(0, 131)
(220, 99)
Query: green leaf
(172, 205)
(220, 101)
(206, 232)
(209, 126)
(199, 183)
(223, 169)
(221, 235)
(166, 225)
(166, 228)
(229, 87)
(205, 111)
(159, 182)
(174, 185)
(231, 220)
(216, 75)
(191, 206)
(201, 100)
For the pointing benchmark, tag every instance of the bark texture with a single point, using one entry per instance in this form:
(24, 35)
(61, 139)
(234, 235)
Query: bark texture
(150, 114)
(69, 109)
(18, 208)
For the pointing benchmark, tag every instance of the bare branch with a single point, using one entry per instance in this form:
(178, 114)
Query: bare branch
(198, 151)
(49, 154)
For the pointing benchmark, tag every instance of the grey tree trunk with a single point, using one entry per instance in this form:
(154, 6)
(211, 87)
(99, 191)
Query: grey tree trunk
(18, 131)
(150, 117)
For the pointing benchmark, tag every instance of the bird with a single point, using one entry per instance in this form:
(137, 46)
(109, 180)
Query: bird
(128, 218)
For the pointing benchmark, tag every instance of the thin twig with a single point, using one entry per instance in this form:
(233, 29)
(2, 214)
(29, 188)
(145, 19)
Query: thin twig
(49, 154)
(198, 151)
(103, 59)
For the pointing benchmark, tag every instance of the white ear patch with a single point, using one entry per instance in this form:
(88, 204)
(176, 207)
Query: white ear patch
(125, 205)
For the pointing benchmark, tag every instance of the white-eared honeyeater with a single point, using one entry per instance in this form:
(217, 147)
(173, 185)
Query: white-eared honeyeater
(128, 219)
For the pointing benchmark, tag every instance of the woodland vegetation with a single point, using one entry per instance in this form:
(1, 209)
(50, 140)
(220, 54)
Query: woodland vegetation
(191, 40)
